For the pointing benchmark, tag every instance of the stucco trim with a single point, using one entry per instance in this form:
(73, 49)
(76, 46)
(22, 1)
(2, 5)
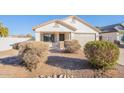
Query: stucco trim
(54, 21)
(84, 33)
(109, 32)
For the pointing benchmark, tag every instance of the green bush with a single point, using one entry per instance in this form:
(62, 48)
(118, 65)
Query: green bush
(71, 46)
(32, 53)
(102, 54)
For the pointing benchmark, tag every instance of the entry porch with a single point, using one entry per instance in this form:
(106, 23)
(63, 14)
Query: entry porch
(54, 39)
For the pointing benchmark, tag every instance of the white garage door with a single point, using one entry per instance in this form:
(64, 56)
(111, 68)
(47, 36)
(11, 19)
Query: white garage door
(84, 38)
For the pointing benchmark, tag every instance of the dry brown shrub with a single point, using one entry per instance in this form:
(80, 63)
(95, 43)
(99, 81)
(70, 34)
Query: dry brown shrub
(32, 53)
(71, 46)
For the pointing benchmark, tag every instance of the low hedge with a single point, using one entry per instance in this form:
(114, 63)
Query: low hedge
(71, 46)
(102, 54)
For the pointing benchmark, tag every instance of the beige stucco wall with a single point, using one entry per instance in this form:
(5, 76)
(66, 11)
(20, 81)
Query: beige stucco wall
(7, 42)
(37, 36)
(80, 26)
(110, 36)
(52, 28)
(83, 38)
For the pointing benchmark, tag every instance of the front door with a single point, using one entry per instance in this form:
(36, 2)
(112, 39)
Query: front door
(61, 37)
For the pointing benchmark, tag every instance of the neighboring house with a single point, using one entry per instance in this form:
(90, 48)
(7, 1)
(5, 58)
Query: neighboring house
(113, 32)
(72, 27)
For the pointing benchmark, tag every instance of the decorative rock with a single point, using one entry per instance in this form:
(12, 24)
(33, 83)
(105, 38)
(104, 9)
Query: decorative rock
(61, 76)
(48, 76)
(54, 76)
(57, 76)
(41, 76)
(71, 76)
(64, 76)
(67, 76)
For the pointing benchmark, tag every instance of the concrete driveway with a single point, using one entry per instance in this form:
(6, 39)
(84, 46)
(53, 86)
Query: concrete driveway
(121, 58)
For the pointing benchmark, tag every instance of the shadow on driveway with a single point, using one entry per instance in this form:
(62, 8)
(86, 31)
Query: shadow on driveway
(68, 63)
(121, 46)
(57, 61)
(15, 61)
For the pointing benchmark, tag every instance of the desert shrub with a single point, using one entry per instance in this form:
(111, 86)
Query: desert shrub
(33, 54)
(15, 46)
(29, 35)
(71, 46)
(102, 54)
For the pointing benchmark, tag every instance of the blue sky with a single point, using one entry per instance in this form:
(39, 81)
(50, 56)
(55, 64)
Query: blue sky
(23, 24)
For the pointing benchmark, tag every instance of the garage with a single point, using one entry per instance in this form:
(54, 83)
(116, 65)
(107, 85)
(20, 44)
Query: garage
(83, 38)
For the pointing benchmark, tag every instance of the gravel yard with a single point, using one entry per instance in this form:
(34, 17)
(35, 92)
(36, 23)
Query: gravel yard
(58, 63)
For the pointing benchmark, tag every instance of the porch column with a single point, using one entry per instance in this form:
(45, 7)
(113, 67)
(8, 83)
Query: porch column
(118, 37)
(67, 36)
(72, 35)
(57, 43)
(97, 36)
(37, 36)
(56, 37)
(41, 36)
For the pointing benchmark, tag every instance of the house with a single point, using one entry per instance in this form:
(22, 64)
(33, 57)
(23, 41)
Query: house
(56, 31)
(113, 32)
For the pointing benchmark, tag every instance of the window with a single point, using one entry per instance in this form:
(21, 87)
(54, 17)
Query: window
(61, 37)
(48, 38)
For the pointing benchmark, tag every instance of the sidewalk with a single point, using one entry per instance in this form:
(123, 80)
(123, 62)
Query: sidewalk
(121, 58)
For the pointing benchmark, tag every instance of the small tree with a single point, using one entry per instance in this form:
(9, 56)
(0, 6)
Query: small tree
(4, 32)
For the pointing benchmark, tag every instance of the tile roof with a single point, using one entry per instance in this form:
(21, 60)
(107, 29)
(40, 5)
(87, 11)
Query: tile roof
(112, 28)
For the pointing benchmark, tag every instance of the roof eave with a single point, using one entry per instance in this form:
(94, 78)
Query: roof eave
(57, 21)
